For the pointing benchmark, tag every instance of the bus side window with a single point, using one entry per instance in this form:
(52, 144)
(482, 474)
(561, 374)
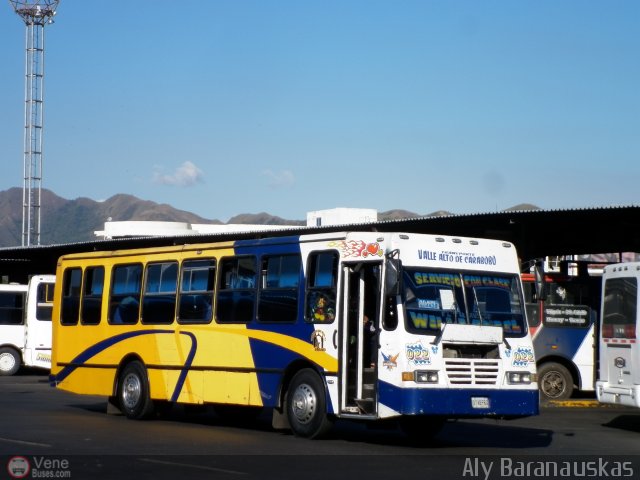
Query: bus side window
(44, 302)
(196, 291)
(159, 300)
(71, 287)
(11, 308)
(280, 279)
(92, 295)
(390, 319)
(237, 290)
(124, 304)
(321, 287)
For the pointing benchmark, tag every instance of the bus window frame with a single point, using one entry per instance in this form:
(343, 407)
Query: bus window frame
(233, 291)
(113, 306)
(15, 311)
(65, 298)
(262, 288)
(44, 301)
(211, 294)
(312, 308)
(160, 293)
(84, 295)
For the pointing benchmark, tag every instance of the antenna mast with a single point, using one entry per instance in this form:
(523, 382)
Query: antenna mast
(36, 14)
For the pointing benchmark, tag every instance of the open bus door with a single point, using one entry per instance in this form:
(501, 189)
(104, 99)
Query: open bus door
(359, 339)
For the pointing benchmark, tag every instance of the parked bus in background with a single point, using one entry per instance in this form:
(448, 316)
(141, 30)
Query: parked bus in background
(361, 325)
(25, 324)
(563, 322)
(619, 370)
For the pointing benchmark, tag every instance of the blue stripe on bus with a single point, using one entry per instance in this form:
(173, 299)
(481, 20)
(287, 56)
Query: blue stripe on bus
(288, 244)
(457, 402)
(99, 347)
(267, 355)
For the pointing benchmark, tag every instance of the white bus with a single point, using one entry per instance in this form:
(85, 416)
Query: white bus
(619, 368)
(25, 324)
(358, 325)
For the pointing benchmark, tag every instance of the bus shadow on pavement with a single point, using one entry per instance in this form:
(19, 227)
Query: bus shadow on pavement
(491, 435)
(455, 434)
(630, 423)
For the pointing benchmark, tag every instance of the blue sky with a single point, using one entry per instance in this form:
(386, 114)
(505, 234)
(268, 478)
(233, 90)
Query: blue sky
(222, 107)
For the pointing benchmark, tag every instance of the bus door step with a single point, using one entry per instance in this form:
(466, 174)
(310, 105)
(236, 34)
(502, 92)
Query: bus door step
(366, 405)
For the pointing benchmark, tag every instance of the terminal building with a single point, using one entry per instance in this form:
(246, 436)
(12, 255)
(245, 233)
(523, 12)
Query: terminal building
(317, 218)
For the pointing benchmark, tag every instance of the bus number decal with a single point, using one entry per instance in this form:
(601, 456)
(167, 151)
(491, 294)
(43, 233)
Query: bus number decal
(417, 354)
(523, 356)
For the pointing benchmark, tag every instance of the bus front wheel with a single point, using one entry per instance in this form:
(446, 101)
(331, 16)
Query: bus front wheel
(307, 405)
(556, 382)
(9, 361)
(133, 392)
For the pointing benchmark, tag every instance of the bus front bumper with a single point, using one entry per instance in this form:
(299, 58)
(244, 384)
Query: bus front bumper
(617, 394)
(459, 402)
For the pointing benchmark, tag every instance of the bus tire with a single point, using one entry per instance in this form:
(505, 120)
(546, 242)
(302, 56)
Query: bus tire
(555, 381)
(133, 392)
(306, 405)
(9, 361)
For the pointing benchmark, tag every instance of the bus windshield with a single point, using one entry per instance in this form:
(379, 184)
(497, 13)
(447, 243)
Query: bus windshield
(435, 297)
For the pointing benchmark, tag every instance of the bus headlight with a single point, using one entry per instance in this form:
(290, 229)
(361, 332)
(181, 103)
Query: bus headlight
(426, 376)
(518, 378)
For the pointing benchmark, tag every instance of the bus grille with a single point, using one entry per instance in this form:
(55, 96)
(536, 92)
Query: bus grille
(465, 371)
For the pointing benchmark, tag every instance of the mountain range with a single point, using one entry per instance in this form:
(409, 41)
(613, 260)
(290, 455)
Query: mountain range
(68, 221)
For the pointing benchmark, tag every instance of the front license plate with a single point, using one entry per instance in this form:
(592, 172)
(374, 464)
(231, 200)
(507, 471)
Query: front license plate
(480, 402)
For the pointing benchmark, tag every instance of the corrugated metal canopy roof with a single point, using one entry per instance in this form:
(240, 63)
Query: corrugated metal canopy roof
(536, 233)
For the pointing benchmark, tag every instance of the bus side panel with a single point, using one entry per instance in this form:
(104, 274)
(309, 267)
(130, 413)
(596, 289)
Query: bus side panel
(574, 344)
(584, 360)
(12, 333)
(274, 346)
(197, 363)
(90, 381)
(559, 341)
(13, 336)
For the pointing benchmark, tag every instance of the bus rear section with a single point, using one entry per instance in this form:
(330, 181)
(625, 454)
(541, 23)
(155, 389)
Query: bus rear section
(619, 368)
(25, 324)
(562, 321)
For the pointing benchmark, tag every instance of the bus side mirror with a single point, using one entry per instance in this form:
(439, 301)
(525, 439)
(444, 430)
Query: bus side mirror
(540, 283)
(392, 281)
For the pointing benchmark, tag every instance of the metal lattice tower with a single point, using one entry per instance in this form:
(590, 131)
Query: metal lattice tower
(36, 14)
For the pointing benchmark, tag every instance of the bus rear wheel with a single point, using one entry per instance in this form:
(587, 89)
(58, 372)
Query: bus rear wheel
(306, 405)
(556, 382)
(9, 361)
(133, 392)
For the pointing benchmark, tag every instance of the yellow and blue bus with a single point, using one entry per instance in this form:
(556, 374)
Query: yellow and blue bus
(358, 325)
